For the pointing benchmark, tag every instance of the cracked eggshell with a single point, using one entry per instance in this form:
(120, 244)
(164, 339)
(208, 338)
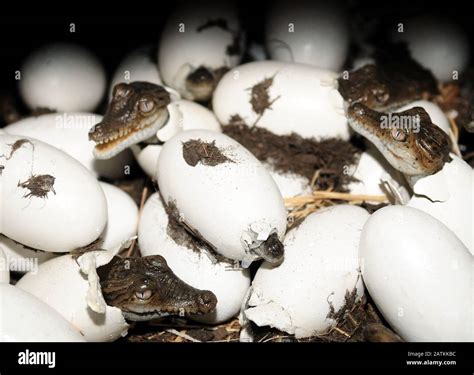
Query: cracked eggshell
(4, 268)
(419, 275)
(320, 37)
(52, 202)
(20, 258)
(320, 266)
(198, 269)
(138, 65)
(62, 77)
(69, 132)
(303, 99)
(227, 202)
(185, 45)
(122, 218)
(183, 115)
(448, 196)
(372, 171)
(436, 43)
(60, 283)
(25, 318)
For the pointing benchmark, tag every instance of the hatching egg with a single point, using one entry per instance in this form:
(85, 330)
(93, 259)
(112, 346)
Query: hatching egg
(319, 278)
(183, 115)
(122, 218)
(60, 283)
(52, 202)
(282, 98)
(69, 132)
(436, 43)
(27, 319)
(315, 34)
(198, 43)
(419, 275)
(375, 176)
(191, 261)
(448, 196)
(62, 77)
(223, 194)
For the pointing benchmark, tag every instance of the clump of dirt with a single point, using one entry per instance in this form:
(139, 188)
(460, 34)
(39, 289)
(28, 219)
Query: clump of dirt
(260, 98)
(184, 235)
(294, 154)
(376, 332)
(38, 186)
(207, 153)
(350, 299)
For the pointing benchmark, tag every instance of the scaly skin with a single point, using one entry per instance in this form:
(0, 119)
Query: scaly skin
(146, 288)
(137, 111)
(388, 86)
(416, 150)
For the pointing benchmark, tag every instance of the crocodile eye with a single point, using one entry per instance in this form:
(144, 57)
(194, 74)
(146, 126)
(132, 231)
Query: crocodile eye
(399, 135)
(146, 105)
(143, 294)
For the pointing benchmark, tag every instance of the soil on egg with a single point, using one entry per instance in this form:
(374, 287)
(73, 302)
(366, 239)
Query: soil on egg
(331, 158)
(207, 153)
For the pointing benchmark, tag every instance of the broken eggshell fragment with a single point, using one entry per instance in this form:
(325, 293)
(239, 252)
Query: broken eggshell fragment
(192, 260)
(198, 43)
(448, 196)
(53, 203)
(69, 132)
(283, 98)
(25, 318)
(122, 218)
(319, 279)
(61, 284)
(419, 274)
(183, 115)
(223, 194)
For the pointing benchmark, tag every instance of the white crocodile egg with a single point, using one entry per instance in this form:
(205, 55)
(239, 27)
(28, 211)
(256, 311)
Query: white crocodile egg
(138, 65)
(436, 43)
(4, 268)
(282, 98)
(229, 198)
(69, 131)
(314, 34)
(419, 275)
(122, 218)
(194, 265)
(183, 115)
(434, 111)
(448, 196)
(27, 319)
(318, 278)
(21, 258)
(62, 77)
(60, 283)
(52, 202)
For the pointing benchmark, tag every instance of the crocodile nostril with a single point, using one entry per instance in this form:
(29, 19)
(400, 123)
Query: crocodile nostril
(207, 299)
